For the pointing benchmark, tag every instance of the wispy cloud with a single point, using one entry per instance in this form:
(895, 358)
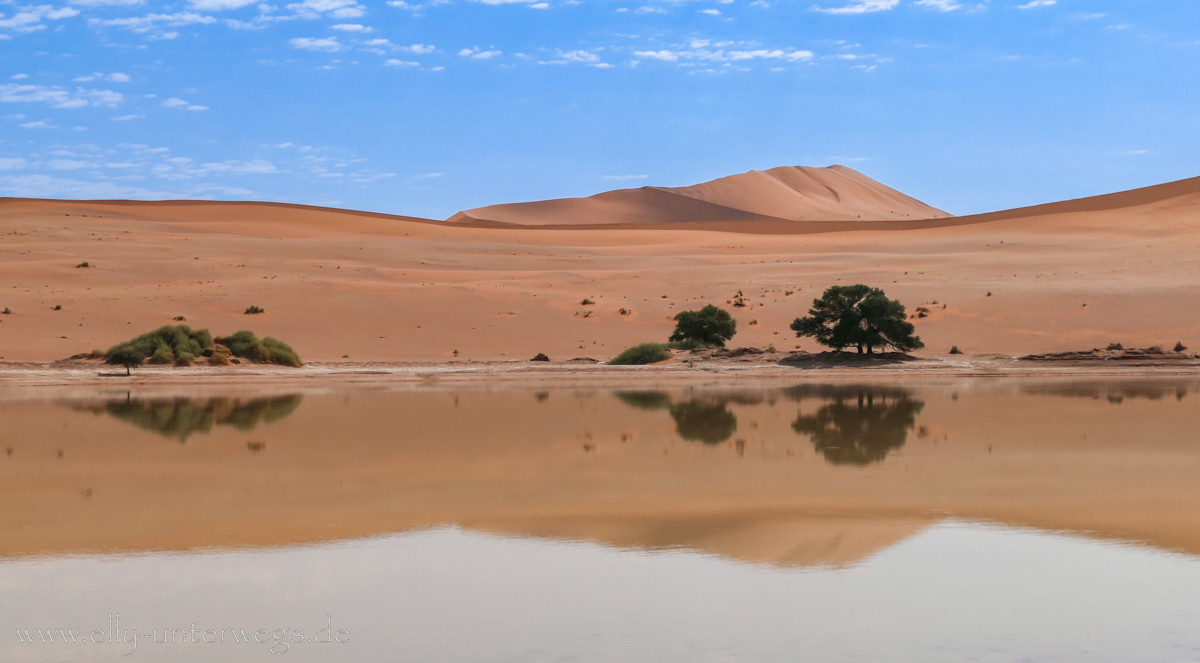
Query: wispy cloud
(939, 5)
(478, 54)
(180, 104)
(154, 22)
(624, 178)
(1034, 4)
(861, 7)
(29, 19)
(328, 44)
(58, 97)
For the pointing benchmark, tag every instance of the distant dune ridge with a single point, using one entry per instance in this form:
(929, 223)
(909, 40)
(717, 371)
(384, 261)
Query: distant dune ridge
(1063, 276)
(789, 193)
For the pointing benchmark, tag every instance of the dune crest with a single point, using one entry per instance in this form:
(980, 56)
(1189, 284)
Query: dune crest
(789, 193)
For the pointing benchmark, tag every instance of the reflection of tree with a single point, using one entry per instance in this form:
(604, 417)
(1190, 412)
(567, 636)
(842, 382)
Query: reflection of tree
(709, 422)
(644, 400)
(1116, 392)
(860, 425)
(706, 419)
(182, 417)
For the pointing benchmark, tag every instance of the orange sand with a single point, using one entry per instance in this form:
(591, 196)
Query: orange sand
(1065, 276)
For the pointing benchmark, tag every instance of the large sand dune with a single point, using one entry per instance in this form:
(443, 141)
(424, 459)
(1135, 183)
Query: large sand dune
(1063, 276)
(793, 193)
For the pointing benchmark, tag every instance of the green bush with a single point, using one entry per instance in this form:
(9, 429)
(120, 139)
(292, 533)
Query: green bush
(246, 345)
(689, 344)
(1115, 346)
(161, 346)
(646, 353)
(710, 325)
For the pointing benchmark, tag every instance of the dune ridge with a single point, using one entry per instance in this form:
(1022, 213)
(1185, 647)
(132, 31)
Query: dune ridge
(789, 193)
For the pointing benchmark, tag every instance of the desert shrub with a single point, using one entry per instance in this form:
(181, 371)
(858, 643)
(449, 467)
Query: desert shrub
(268, 350)
(710, 325)
(6, 311)
(646, 353)
(771, 348)
(218, 359)
(586, 302)
(254, 310)
(185, 359)
(858, 316)
(162, 355)
(1179, 346)
(82, 265)
(179, 318)
(1115, 346)
(96, 353)
(955, 351)
(58, 307)
(161, 346)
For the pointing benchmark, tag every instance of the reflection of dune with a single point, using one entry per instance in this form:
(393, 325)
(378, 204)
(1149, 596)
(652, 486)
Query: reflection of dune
(181, 417)
(1116, 392)
(770, 538)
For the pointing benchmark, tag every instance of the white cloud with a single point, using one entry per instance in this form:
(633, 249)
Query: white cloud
(219, 5)
(39, 124)
(505, 2)
(939, 5)
(401, 63)
(861, 7)
(11, 164)
(66, 164)
(175, 102)
(477, 54)
(17, 77)
(30, 19)
(711, 12)
(351, 27)
(115, 78)
(539, 5)
(126, 118)
(1034, 4)
(649, 9)
(58, 97)
(700, 52)
(428, 176)
(335, 8)
(45, 186)
(105, 3)
(329, 44)
(624, 178)
(421, 49)
(154, 22)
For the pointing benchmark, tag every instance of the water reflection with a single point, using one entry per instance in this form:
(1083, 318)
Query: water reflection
(706, 420)
(182, 417)
(1115, 393)
(861, 425)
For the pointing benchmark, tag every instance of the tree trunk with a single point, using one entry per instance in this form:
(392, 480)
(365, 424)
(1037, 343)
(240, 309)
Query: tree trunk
(127, 371)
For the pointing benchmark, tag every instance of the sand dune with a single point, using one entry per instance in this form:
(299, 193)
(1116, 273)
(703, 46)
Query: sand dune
(792, 193)
(1065, 276)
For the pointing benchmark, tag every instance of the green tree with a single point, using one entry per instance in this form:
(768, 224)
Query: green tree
(858, 316)
(710, 325)
(126, 356)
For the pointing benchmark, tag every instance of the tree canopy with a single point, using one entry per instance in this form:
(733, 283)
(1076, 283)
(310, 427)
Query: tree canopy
(710, 325)
(858, 316)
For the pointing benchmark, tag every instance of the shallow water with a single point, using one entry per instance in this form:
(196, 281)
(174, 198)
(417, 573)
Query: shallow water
(944, 521)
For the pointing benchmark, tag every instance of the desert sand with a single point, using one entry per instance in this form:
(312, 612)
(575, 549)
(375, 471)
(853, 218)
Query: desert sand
(352, 286)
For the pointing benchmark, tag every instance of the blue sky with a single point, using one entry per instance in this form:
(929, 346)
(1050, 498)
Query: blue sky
(428, 107)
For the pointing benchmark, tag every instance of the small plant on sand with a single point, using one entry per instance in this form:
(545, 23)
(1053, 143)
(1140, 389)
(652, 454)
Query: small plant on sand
(6, 311)
(586, 302)
(185, 359)
(771, 348)
(58, 307)
(83, 265)
(218, 359)
(955, 351)
(179, 318)
(1113, 347)
(254, 310)
(858, 316)
(624, 311)
(646, 353)
(268, 350)
(709, 325)
(1179, 346)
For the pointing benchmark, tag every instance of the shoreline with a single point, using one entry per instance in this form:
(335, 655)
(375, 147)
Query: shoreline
(24, 375)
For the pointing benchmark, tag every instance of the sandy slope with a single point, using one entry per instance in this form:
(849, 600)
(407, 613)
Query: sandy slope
(793, 193)
(1064, 276)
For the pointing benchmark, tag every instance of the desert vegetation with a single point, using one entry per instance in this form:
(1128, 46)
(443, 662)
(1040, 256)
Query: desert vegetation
(183, 346)
(645, 353)
(710, 326)
(858, 316)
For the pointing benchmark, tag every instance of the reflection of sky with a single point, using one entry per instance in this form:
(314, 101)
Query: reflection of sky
(957, 591)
